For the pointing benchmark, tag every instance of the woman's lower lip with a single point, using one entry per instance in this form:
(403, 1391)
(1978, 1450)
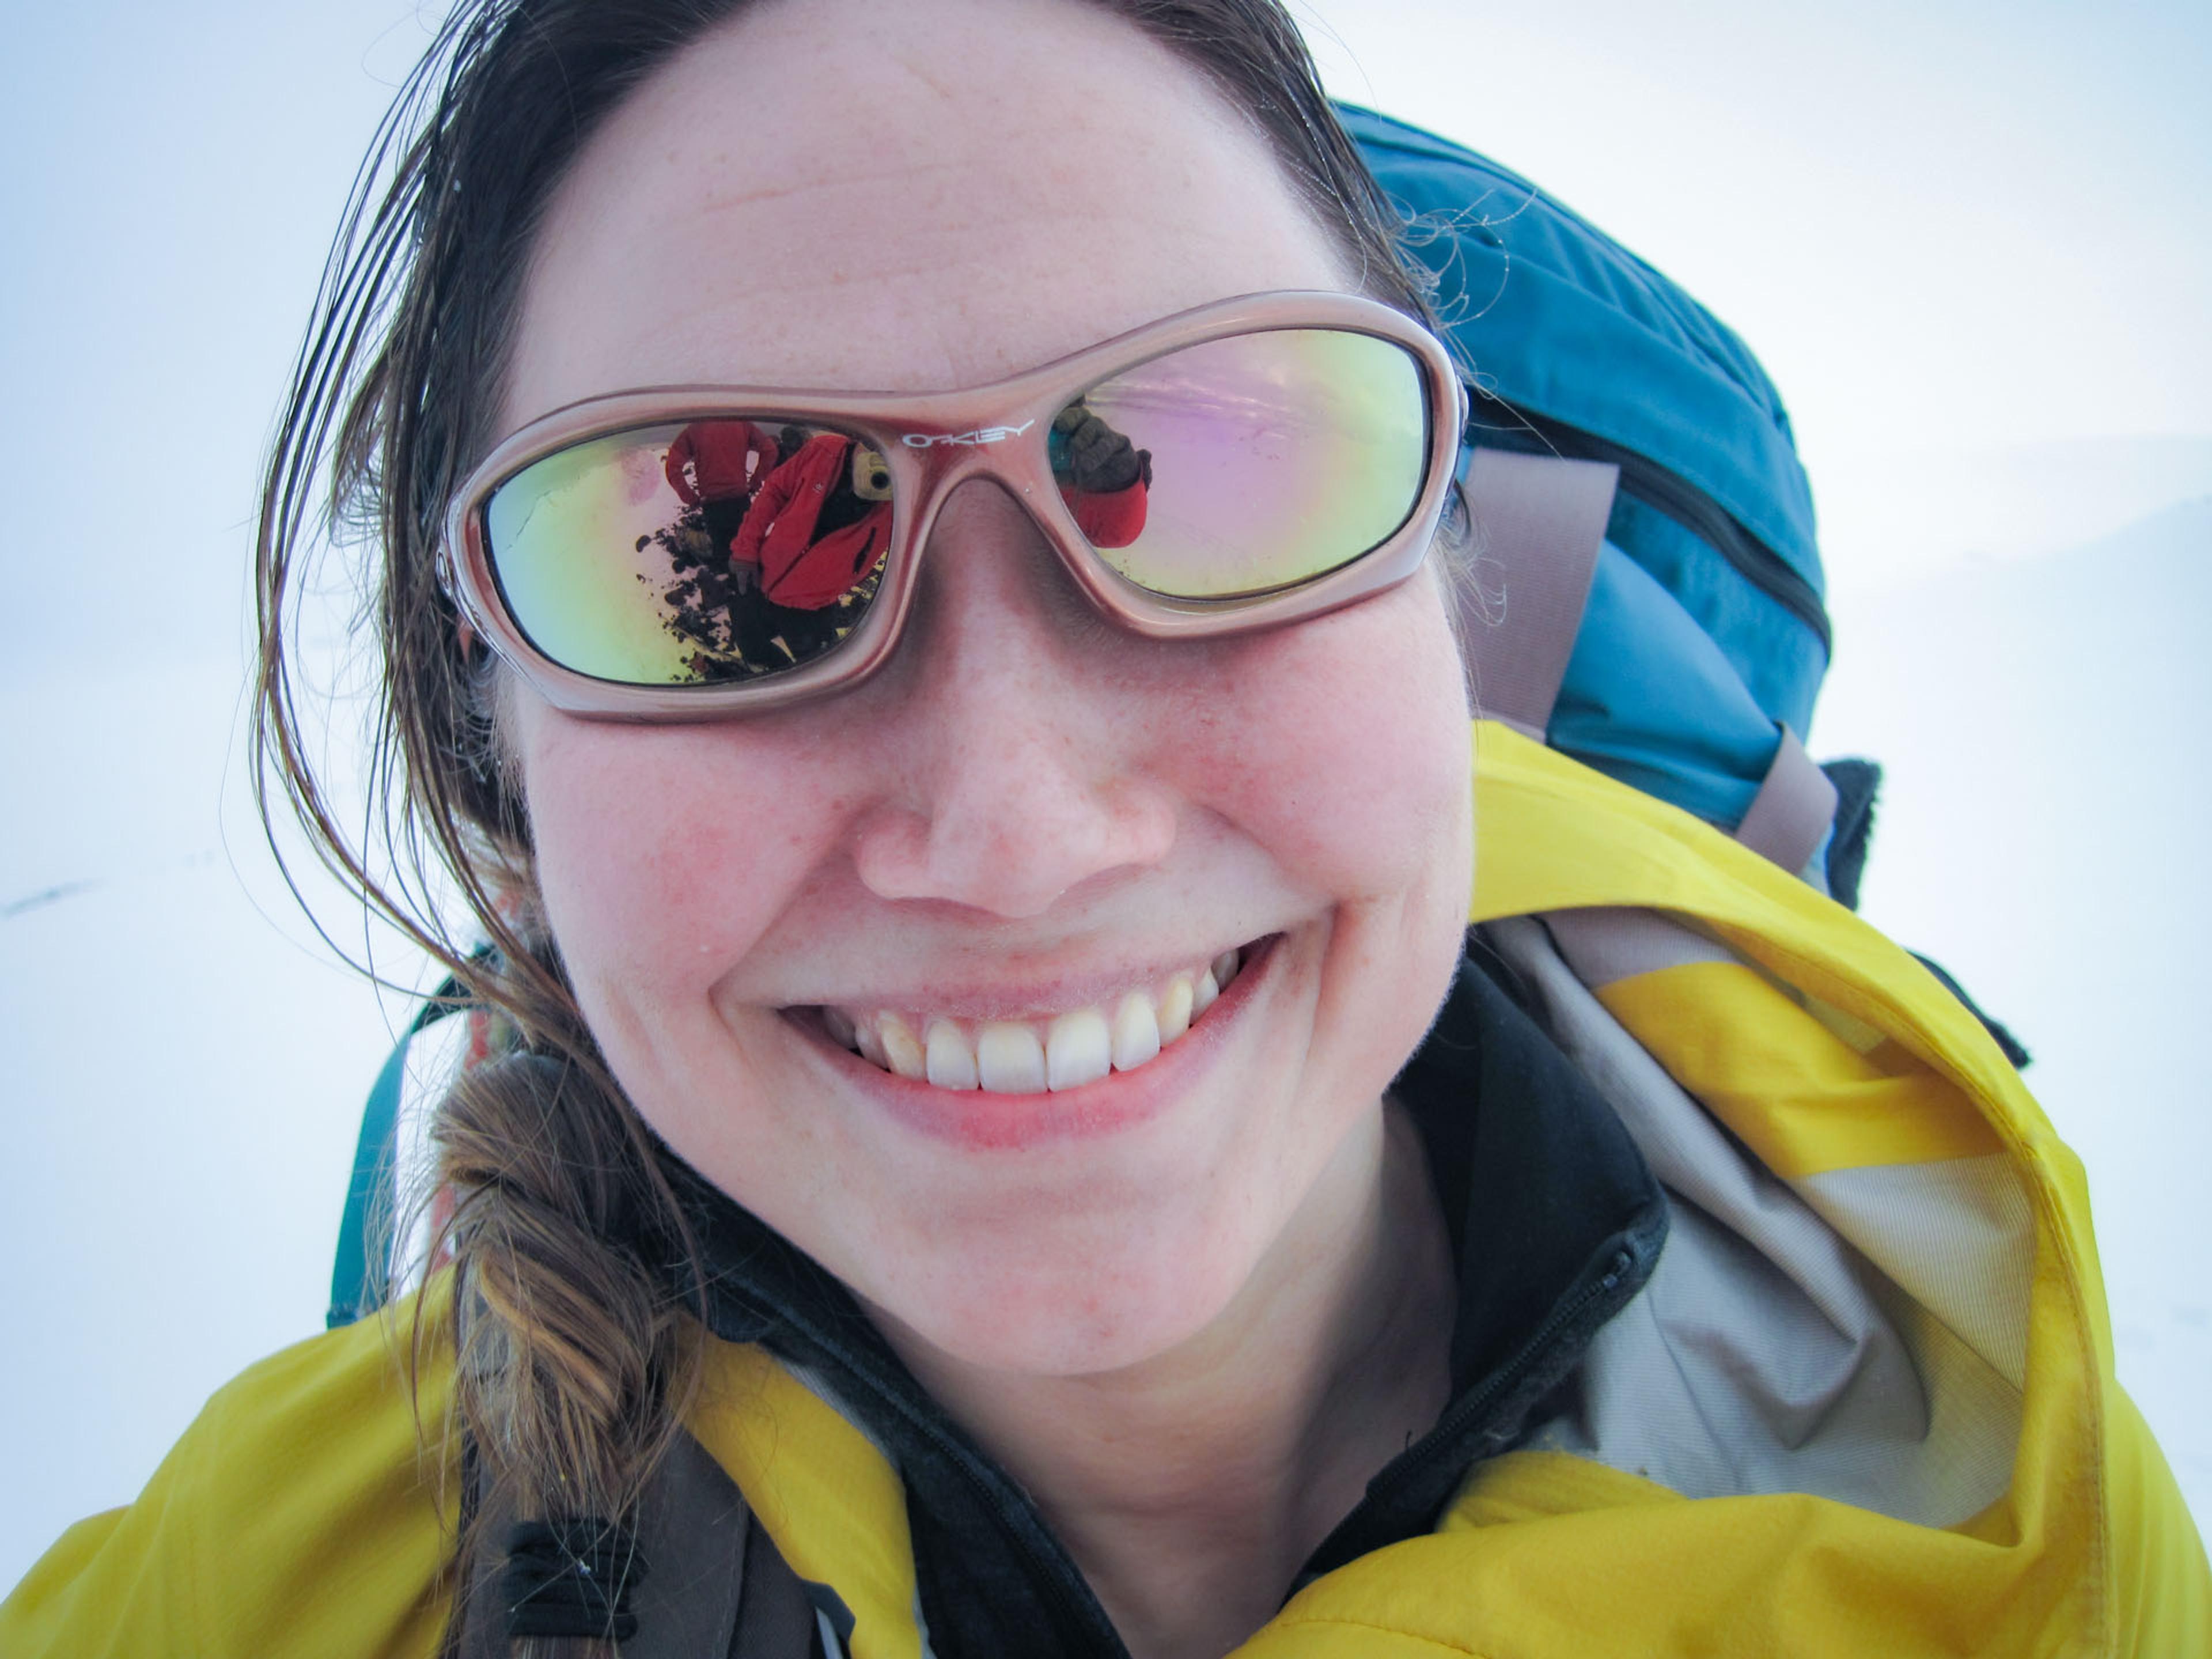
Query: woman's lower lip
(975, 1120)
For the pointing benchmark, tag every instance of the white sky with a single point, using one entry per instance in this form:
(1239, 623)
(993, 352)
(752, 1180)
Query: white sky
(1972, 242)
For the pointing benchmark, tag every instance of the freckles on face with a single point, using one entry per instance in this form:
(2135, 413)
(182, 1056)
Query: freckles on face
(658, 867)
(670, 853)
(700, 880)
(1354, 766)
(1349, 743)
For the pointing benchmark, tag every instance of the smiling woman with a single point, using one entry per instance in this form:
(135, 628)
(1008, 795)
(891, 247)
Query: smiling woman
(918, 570)
(1018, 820)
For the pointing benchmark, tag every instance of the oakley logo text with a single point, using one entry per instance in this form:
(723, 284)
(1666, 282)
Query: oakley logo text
(989, 434)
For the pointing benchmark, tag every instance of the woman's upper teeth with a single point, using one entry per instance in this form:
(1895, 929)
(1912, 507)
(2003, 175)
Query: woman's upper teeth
(1020, 1057)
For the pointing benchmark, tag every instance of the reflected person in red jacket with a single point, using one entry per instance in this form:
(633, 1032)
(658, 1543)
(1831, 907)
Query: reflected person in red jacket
(715, 467)
(815, 529)
(818, 524)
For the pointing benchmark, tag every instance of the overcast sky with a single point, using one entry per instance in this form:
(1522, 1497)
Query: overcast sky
(1972, 243)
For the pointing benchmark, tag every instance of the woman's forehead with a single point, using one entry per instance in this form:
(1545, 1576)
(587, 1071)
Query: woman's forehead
(903, 199)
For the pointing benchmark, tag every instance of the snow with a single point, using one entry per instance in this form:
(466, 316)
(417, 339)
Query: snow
(186, 1073)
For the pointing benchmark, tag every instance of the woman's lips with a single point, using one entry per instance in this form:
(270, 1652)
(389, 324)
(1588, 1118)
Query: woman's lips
(1003, 1084)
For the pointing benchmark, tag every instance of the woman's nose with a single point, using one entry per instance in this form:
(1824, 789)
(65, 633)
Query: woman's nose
(1025, 728)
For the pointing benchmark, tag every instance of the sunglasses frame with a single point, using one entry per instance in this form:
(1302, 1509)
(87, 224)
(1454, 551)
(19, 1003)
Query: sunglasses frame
(934, 442)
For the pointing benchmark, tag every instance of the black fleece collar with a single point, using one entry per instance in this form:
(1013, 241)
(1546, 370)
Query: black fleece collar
(1560, 1223)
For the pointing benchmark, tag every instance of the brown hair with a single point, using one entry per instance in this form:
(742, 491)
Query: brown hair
(573, 1357)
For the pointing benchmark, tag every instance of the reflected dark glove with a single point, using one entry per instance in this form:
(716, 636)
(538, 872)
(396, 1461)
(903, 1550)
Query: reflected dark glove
(1100, 461)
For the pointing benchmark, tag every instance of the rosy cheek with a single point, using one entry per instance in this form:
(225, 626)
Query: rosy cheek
(1343, 747)
(665, 852)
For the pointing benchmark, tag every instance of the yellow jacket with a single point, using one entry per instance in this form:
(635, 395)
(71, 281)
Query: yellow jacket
(1850, 1116)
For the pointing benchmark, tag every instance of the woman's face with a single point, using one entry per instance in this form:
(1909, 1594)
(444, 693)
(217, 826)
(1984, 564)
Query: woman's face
(1027, 813)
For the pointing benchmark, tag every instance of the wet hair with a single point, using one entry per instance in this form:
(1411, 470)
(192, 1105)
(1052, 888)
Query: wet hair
(563, 1226)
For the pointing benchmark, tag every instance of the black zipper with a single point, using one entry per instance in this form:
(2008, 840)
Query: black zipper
(1049, 1568)
(1668, 492)
(1533, 1349)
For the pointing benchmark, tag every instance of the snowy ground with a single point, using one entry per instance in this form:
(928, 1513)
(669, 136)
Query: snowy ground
(2016, 623)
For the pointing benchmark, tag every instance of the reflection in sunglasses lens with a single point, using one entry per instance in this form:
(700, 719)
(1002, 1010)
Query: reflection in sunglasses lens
(1248, 465)
(723, 549)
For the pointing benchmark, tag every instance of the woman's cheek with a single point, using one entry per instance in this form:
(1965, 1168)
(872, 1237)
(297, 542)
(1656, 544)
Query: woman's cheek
(657, 865)
(1345, 750)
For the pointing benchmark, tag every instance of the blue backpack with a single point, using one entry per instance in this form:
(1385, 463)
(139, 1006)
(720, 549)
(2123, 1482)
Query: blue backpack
(1645, 522)
(1704, 634)
(1687, 632)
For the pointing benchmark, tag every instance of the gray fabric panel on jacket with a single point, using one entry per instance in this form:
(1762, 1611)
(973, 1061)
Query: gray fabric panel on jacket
(1606, 944)
(1766, 1354)
(1958, 1236)
(1540, 520)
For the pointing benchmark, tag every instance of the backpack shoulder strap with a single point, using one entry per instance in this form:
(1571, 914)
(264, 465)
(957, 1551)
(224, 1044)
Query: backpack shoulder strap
(359, 1285)
(775, 1618)
(705, 1580)
(1539, 521)
(1790, 816)
(355, 1288)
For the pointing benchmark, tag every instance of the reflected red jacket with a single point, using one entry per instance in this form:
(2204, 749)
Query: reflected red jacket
(798, 569)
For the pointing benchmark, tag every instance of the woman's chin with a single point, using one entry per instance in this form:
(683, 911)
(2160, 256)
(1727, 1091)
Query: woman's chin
(1175, 1261)
(1057, 1309)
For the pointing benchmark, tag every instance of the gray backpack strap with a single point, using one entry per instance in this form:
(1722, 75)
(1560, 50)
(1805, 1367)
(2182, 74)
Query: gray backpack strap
(776, 1620)
(1790, 814)
(712, 1583)
(696, 1532)
(1539, 522)
(479, 1628)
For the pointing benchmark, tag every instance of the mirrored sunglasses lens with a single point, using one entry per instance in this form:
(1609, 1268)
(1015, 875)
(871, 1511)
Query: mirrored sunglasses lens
(704, 553)
(1247, 465)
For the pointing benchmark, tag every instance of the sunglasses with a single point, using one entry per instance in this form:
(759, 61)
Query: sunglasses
(693, 552)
